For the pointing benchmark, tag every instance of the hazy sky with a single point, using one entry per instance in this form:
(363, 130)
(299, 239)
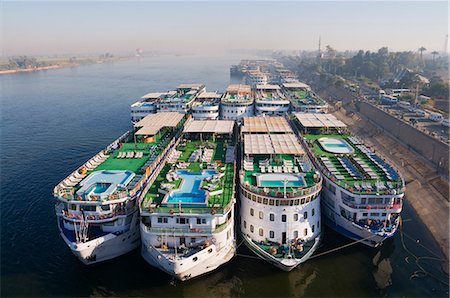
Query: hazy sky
(76, 27)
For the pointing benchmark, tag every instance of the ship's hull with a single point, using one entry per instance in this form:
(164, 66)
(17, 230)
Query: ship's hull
(347, 228)
(186, 269)
(283, 264)
(106, 247)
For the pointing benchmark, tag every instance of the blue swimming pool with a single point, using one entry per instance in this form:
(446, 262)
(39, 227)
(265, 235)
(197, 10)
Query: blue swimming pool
(105, 182)
(190, 192)
(98, 188)
(278, 180)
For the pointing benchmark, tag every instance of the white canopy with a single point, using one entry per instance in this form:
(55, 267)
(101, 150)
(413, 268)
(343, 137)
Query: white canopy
(318, 120)
(272, 144)
(210, 126)
(266, 124)
(152, 124)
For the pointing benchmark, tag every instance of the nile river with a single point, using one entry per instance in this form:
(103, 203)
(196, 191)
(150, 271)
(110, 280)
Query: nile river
(52, 121)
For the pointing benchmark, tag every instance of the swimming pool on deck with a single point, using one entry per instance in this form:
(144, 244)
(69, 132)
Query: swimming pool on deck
(279, 180)
(189, 192)
(103, 183)
(334, 145)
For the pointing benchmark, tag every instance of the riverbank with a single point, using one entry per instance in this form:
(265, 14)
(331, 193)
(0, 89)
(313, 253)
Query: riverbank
(10, 71)
(64, 63)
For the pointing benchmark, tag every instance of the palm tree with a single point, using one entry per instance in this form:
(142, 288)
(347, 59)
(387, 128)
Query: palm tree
(434, 53)
(421, 50)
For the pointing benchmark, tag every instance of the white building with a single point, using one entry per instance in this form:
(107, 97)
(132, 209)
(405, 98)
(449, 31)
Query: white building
(237, 102)
(269, 100)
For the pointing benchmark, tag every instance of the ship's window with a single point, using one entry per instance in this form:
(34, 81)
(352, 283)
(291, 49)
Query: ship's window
(261, 232)
(305, 232)
(302, 201)
(201, 221)
(312, 212)
(193, 240)
(291, 202)
(277, 202)
(284, 202)
(195, 259)
(312, 228)
(383, 214)
(73, 206)
(296, 202)
(283, 218)
(305, 215)
(365, 214)
(271, 234)
(295, 216)
(265, 201)
(252, 211)
(272, 217)
(251, 228)
(182, 220)
(261, 215)
(245, 224)
(295, 234)
(318, 224)
(375, 214)
(88, 207)
(259, 200)
(163, 220)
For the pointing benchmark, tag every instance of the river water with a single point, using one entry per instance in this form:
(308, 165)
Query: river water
(52, 121)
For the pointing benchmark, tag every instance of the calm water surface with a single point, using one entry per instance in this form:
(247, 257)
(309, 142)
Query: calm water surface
(52, 121)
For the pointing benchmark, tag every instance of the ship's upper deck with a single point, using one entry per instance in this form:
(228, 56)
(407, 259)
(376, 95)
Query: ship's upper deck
(274, 161)
(118, 170)
(270, 93)
(300, 94)
(238, 94)
(199, 174)
(345, 159)
(184, 93)
(207, 99)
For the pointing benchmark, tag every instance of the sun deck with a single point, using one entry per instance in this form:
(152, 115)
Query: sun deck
(359, 169)
(199, 175)
(132, 153)
(274, 161)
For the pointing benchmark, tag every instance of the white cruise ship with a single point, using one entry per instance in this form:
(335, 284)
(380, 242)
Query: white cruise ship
(303, 99)
(279, 194)
(179, 100)
(269, 100)
(187, 215)
(97, 205)
(207, 106)
(362, 193)
(237, 102)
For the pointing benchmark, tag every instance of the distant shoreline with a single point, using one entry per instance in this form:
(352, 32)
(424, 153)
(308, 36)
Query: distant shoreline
(64, 64)
(10, 71)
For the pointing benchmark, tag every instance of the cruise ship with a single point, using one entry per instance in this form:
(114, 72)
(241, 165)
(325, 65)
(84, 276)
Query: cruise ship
(207, 106)
(187, 215)
(237, 102)
(269, 100)
(179, 100)
(279, 193)
(362, 193)
(97, 205)
(303, 99)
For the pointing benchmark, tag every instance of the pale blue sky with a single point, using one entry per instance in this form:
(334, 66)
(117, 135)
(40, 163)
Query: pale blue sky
(212, 27)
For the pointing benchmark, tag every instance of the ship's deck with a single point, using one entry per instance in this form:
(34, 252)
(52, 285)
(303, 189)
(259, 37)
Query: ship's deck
(220, 188)
(362, 169)
(266, 164)
(302, 97)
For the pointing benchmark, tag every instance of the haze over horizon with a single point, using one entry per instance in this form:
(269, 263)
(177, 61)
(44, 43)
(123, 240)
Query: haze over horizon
(39, 28)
